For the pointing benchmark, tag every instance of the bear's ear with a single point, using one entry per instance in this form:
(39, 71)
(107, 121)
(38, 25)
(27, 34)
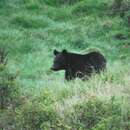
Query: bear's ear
(64, 51)
(55, 52)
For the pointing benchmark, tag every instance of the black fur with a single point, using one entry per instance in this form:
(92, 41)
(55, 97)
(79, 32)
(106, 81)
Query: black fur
(77, 65)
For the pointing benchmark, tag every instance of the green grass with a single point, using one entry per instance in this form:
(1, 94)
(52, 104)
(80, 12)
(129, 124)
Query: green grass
(30, 30)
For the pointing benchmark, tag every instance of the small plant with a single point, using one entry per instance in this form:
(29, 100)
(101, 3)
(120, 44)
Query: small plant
(9, 91)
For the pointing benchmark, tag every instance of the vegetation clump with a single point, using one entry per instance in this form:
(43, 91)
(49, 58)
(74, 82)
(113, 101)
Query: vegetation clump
(9, 91)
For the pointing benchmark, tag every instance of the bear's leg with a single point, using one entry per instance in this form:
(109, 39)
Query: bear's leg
(79, 74)
(69, 75)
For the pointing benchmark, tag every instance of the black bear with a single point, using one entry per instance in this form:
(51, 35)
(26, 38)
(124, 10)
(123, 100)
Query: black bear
(77, 65)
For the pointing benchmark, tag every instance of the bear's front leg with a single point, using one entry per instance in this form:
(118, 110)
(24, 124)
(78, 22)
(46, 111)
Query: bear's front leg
(69, 75)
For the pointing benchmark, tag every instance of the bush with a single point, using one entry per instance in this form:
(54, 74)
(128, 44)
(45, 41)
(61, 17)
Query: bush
(37, 113)
(94, 114)
(9, 90)
(9, 95)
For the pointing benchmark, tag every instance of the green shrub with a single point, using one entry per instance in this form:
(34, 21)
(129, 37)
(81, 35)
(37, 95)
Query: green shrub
(38, 113)
(9, 90)
(9, 94)
(87, 115)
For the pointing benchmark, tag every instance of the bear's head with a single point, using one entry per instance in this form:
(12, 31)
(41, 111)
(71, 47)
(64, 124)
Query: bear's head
(59, 60)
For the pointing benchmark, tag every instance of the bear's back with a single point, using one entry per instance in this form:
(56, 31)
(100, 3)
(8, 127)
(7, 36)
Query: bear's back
(95, 59)
(95, 56)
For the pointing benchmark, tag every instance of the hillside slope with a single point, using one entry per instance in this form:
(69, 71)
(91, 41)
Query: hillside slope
(31, 29)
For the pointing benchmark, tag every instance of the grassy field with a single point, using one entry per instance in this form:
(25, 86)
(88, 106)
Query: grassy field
(30, 30)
